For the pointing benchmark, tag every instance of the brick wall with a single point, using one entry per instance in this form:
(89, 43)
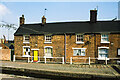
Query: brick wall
(18, 45)
(57, 44)
(113, 45)
(88, 44)
(91, 43)
(5, 54)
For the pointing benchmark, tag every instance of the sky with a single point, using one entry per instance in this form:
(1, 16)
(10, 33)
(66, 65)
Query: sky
(56, 12)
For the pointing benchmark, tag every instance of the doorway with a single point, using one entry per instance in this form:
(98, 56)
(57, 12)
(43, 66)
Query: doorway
(35, 56)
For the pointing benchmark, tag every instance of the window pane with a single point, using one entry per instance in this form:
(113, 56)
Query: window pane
(75, 53)
(83, 52)
(104, 37)
(118, 51)
(79, 52)
(45, 50)
(48, 52)
(48, 38)
(26, 51)
(79, 37)
(103, 53)
(26, 38)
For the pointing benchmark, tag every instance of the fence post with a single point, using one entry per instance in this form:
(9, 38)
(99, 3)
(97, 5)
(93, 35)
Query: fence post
(89, 60)
(62, 60)
(45, 59)
(28, 59)
(106, 60)
(32, 58)
(70, 60)
(39, 58)
(13, 58)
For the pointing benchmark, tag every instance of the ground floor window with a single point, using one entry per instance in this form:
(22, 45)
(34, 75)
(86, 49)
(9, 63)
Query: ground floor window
(79, 52)
(118, 51)
(26, 51)
(102, 52)
(48, 51)
(0, 47)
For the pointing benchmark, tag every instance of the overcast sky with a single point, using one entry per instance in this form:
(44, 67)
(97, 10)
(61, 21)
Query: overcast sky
(56, 12)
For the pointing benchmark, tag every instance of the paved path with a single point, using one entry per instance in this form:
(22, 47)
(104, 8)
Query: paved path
(16, 77)
(83, 69)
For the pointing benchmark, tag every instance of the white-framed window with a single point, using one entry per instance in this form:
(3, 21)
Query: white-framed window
(26, 51)
(48, 39)
(0, 41)
(79, 38)
(0, 47)
(104, 38)
(26, 38)
(118, 51)
(79, 51)
(103, 52)
(48, 50)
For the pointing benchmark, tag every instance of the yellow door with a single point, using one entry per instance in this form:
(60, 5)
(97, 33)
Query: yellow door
(35, 56)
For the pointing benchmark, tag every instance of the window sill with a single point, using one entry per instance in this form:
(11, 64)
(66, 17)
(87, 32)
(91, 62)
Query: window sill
(47, 57)
(104, 42)
(78, 56)
(26, 42)
(26, 56)
(47, 42)
(103, 59)
(79, 42)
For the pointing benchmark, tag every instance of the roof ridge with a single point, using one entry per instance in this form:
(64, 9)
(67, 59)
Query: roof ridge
(71, 22)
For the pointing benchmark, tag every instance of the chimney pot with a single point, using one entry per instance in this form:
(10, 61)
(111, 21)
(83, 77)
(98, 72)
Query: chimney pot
(43, 20)
(93, 16)
(22, 20)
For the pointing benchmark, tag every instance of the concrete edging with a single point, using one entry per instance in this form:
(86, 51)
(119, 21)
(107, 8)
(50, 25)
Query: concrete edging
(58, 73)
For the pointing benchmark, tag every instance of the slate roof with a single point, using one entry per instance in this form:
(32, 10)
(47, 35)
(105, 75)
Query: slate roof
(70, 27)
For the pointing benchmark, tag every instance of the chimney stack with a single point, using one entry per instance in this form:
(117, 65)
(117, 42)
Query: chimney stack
(43, 20)
(93, 16)
(22, 20)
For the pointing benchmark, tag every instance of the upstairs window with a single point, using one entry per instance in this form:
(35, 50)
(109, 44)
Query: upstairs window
(104, 38)
(48, 38)
(26, 38)
(79, 38)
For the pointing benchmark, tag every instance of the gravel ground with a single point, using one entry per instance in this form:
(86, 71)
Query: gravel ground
(92, 69)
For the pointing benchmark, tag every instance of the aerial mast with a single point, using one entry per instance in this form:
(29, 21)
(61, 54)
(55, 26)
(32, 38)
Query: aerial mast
(45, 11)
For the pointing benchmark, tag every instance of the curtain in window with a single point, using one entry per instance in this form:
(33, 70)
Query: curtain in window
(103, 53)
(48, 52)
(104, 38)
(26, 51)
(79, 52)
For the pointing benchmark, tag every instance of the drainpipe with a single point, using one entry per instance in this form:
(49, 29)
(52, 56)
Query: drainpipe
(65, 48)
(95, 45)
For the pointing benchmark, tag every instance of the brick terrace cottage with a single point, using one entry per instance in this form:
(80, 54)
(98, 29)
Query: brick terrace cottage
(97, 39)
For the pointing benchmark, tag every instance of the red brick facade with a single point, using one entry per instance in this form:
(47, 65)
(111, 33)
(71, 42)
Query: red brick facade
(91, 43)
(5, 54)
